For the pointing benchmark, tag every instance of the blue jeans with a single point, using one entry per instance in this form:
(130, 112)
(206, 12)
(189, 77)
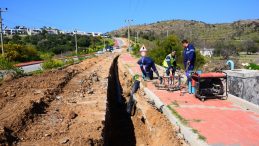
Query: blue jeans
(189, 71)
(171, 68)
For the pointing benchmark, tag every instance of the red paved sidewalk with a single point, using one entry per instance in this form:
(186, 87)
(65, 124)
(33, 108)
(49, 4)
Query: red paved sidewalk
(27, 63)
(219, 121)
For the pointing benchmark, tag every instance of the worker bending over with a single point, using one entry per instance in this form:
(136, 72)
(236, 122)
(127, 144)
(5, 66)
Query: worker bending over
(170, 63)
(147, 65)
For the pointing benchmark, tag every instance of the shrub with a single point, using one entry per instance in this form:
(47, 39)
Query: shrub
(8, 65)
(52, 63)
(164, 47)
(46, 56)
(20, 53)
(252, 66)
(70, 61)
(5, 64)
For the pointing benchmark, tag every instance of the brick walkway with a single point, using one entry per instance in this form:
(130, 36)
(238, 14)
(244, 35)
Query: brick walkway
(218, 122)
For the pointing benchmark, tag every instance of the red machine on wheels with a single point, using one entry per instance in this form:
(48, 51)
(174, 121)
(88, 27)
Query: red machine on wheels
(209, 85)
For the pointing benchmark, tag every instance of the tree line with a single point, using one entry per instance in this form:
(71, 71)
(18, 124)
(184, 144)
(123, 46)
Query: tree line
(31, 47)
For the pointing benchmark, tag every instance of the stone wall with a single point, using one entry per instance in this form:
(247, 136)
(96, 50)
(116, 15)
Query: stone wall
(244, 84)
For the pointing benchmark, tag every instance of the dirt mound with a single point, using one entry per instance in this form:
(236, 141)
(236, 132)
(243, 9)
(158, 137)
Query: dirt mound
(21, 100)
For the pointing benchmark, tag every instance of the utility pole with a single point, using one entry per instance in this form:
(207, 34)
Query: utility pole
(104, 46)
(128, 21)
(1, 29)
(137, 36)
(166, 33)
(76, 40)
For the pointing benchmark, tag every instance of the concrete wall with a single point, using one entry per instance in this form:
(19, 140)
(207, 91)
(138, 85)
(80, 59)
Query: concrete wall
(244, 84)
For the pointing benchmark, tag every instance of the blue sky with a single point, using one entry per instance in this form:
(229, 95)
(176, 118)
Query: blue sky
(107, 15)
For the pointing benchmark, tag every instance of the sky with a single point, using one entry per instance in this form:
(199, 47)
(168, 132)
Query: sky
(108, 15)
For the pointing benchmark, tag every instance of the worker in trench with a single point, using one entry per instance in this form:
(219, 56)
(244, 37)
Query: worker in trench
(147, 66)
(189, 57)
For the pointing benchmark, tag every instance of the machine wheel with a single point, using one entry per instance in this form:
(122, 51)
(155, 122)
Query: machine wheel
(202, 99)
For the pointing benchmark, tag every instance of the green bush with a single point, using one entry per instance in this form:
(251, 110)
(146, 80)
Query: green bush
(135, 50)
(5, 64)
(8, 65)
(252, 66)
(52, 63)
(46, 56)
(70, 61)
(163, 47)
(20, 53)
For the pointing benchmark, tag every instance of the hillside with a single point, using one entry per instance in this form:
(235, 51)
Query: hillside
(203, 34)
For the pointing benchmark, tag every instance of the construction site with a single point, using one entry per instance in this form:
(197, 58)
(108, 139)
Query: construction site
(86, 104)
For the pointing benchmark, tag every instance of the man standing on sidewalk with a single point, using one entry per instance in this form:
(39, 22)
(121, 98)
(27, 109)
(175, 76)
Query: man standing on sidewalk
(189, 57)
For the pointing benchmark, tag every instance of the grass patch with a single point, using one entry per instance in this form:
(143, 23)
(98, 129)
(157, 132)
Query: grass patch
(186, 122)
(175, 103)
(201, 137)
(183, 120)
(52, 63)
(69, 61)
(195, 131)
(252, 66)
(8, 65)
(197, 120)
(37, 72)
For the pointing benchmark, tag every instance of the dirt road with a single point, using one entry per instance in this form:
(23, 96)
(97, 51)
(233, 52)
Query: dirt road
(78, 106)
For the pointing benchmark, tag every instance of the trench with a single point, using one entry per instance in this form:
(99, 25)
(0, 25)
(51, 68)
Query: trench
(119, 128)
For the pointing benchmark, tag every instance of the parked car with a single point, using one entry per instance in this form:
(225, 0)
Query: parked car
(109, 49)
(99, 52)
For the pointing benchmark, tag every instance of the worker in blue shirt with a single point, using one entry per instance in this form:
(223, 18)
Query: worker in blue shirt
(147, 65)
(189, 57)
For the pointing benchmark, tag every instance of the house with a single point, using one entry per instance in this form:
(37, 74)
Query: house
(34, 31)
(207, 52)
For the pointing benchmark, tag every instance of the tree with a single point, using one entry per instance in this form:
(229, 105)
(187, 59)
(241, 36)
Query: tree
(164, 47)
(20, 53)
(250, 47)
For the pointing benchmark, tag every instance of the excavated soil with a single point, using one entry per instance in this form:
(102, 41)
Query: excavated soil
(147, 127)
(83, 104)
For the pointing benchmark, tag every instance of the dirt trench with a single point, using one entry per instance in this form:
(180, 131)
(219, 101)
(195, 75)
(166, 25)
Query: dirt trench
(147, 127)
(84, 104)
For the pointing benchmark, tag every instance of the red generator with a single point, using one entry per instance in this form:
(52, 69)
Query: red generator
(210, 85)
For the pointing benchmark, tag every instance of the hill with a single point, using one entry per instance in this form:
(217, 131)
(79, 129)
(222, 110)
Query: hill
(200, 33)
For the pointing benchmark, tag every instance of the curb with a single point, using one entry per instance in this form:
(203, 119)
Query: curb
(186, 132)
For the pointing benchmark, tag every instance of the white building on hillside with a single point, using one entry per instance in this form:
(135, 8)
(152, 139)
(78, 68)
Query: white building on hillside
(207, 52)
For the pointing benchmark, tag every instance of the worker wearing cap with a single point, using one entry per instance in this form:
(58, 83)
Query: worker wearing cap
(189, 57)
(170, 63)
(147, 65)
